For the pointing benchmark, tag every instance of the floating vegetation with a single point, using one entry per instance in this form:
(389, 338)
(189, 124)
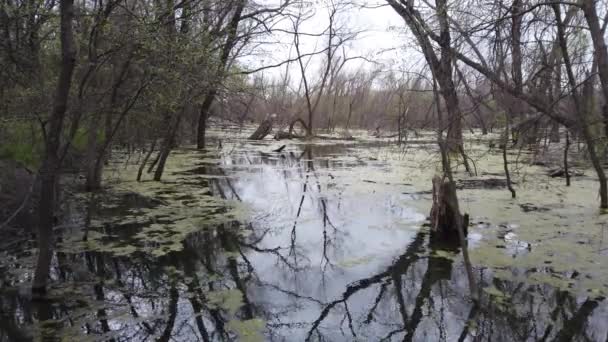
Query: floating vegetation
(245, 243)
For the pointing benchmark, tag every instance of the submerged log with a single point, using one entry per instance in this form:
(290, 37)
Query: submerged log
(286, 135)
(264, 128)
(553, 173)
(445, 215)
(280, 149)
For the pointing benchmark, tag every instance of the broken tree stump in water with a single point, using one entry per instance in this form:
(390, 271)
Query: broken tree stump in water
(445, 214)
(264, 128)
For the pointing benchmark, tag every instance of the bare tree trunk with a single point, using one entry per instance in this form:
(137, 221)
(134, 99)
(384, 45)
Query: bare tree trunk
(202, 119)
(566, 148)
(350, 112)
(554, 135)
(143, 163)
(582, 109)
(505, 143)
(446, 82)
(601, 52)
(167, 146)
(50, 165)
(445, 211)
(227, 47)
(516, 73)
(93, 175)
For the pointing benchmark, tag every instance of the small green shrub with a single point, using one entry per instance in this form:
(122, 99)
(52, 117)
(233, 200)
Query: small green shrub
(22, 141)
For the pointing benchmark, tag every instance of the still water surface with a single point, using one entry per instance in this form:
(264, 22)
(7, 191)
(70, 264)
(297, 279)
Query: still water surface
(320, 242)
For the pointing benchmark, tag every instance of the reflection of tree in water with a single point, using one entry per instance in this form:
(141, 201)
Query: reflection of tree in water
(518, 318)
(419, 296)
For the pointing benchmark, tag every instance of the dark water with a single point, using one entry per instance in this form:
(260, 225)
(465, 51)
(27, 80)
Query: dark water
(318, 242)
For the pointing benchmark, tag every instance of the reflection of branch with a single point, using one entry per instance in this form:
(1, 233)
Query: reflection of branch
(291, 293)
(232, 189)
(399, 294)
(174, 296)
(390, 335)
(295, 223)
(400, 266)
(274, 251)
(234, 272)
(326, 220)
(370, 314)
(149, 329)
(467, 324)
(437, 269)
(575, 325)
(350, 319)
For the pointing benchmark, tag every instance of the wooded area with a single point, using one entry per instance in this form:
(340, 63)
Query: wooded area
(86, 85)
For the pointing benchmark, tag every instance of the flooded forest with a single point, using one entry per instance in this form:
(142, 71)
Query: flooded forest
(299, 170)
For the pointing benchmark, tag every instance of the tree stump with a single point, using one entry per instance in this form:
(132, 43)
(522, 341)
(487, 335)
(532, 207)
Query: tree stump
(445, 215)
(264, 128)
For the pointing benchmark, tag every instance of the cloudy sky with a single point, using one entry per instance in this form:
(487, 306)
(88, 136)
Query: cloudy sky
(380, 38)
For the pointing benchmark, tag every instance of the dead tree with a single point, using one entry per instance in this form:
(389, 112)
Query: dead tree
(445, 211)
(290, 133)
(264, 128)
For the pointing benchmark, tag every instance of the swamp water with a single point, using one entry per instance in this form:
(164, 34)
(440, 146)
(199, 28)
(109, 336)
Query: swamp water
(324, 241)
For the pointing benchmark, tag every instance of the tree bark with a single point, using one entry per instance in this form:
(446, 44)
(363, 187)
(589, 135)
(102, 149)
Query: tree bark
(167, 146)
(202, 119)
(227, 47)
(601, 52)
(505, 143)
(446, 82)
(50, 165)
(582, 109)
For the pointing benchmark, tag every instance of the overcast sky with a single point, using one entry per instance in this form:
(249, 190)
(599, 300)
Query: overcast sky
(381, 39)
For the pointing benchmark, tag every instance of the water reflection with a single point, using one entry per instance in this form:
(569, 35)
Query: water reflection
(326, 254)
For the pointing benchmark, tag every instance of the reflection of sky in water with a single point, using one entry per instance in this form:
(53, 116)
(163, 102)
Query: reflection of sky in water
(364, 231)
(358, 233)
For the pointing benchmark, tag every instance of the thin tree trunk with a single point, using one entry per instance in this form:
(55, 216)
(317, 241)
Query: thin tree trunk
(50, 165)
(202, 119)
(582, 110)
(172, 310)
(166, 147)
(505, 142)
(350, 112)
(93, 182)
(229, 44)
(567, 172)
(143, 164)
(601, 51)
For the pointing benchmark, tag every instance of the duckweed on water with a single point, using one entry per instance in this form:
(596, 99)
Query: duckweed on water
(325, 240)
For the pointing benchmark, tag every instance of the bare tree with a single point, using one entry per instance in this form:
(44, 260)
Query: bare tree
(51, 163)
